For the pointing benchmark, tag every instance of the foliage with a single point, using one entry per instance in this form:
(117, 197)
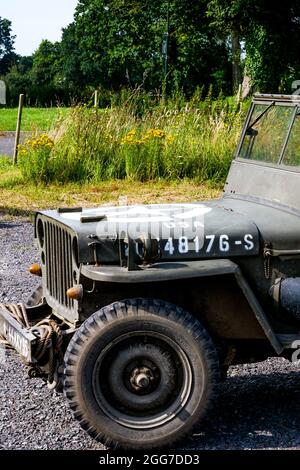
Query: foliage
(39, 77)
(7, 55)
(119, 43)
(34, 158)
(193, 139)
(272, 46)
(270, 33)
(231, 19)
(46, 63)
(19, 80)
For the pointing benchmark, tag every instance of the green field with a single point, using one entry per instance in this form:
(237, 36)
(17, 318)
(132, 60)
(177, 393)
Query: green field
(40, 119)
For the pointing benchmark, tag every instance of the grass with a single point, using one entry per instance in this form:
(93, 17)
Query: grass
(166, 141)
(20, 198)
(41, 119)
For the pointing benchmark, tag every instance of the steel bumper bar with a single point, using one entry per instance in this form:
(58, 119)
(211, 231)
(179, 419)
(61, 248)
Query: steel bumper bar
(17, 336)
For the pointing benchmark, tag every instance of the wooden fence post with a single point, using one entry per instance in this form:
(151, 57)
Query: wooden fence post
(18, 130)
(96, 103)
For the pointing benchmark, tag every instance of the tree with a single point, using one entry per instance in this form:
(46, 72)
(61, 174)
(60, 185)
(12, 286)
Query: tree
(231, 18)
(272, 45)
(119, 43)
(18, 80)
(7, 55)
(271, 34)
(201, 55)
(46, 63)
(71, 59)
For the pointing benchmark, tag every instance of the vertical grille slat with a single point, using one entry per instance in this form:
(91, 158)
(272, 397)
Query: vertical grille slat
(51, 259)
(48, 264)
(53, 256)
(47, 250)
(63, 261)
(70, 272)
(66, 272)
(59, 264)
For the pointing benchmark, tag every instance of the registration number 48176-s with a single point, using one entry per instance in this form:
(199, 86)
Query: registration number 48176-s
(211, 243)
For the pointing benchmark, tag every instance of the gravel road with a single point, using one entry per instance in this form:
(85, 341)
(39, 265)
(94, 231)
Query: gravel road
(258, 408)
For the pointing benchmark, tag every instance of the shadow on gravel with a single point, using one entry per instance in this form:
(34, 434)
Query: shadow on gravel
(260, 411)
(9, 225)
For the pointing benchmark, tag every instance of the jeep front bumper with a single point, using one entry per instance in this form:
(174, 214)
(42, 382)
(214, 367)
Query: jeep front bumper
(17, 336)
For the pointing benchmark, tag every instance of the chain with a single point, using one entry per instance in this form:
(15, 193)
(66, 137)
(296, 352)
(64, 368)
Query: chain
(267, 266)
(267, 260)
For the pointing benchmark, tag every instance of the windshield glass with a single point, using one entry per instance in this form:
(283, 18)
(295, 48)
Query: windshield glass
(267, 132)
(292, 153)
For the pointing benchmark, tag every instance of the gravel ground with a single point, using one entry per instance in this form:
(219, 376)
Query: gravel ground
(258, 408)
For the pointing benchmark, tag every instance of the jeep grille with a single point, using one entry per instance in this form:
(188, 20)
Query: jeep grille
(58, 269)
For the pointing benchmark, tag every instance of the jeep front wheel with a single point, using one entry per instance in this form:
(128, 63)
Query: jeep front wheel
(140, 373)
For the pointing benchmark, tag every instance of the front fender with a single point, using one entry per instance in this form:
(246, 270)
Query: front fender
(160, 271)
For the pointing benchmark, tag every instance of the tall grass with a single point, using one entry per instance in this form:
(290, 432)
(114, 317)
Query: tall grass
(165, 140)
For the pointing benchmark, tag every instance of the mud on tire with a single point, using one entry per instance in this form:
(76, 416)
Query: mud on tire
(138, 374)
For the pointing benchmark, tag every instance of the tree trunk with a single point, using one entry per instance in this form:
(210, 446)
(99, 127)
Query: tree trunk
(236, 61)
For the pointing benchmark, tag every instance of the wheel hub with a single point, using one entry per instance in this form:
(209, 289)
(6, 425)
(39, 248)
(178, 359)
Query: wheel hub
(141, 378)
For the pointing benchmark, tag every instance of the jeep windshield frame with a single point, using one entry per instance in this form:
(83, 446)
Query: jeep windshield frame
(268, 136)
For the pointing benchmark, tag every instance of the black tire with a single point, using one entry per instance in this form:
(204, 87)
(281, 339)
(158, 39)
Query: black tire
(140, 373)
(36, 298)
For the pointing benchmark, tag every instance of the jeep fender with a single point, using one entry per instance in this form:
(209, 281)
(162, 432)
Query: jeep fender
(185, 270)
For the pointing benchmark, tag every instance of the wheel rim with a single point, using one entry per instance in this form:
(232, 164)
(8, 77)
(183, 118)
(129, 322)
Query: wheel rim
(142, 380)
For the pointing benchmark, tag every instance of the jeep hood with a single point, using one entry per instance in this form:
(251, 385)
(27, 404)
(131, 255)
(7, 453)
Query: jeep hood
(184, 231)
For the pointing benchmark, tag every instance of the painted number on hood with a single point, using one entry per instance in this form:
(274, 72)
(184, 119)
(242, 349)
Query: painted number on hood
(211, 244)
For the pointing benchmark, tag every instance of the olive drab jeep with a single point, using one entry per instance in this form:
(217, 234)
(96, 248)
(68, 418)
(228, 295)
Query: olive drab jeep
(142, 309)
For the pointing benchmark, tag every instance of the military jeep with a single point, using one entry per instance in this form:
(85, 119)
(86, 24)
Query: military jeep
(142, 309)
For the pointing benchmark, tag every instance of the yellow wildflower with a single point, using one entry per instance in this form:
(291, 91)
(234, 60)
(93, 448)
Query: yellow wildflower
(155, 133)
(42, 142)
(170, 139)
